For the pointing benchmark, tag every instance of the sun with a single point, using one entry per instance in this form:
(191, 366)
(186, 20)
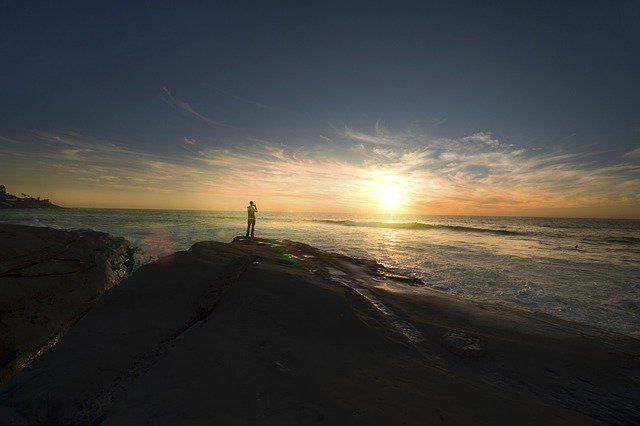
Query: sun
(391, 198)
(386, 194)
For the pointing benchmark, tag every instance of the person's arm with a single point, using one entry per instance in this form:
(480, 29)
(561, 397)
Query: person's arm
(255, 208)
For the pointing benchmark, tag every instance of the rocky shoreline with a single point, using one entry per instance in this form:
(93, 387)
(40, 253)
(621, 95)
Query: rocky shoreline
(49, 278)
(273, 332)
(10, 201)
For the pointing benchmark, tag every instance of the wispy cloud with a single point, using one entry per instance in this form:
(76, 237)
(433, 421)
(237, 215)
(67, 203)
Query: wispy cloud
(260, 105)
(475, 174)
(105, 164)
(485, 138)
(380, 136)
(170, 100)
(7, 140)
(632, 155)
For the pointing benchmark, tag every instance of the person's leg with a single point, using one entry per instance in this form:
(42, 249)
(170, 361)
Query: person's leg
(248, 226)
(253, 225)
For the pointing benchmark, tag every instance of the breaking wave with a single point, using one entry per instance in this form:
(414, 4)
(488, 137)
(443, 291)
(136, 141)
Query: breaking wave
(416, 226)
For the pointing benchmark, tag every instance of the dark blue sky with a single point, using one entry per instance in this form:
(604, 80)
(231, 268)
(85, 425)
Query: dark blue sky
(168, 78)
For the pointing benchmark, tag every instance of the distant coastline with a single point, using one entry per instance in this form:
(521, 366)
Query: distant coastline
(10, 201)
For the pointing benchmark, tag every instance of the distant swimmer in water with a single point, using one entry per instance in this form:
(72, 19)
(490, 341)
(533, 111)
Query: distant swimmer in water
(252, 209)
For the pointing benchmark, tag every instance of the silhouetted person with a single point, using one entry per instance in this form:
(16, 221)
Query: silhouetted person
(252, 209)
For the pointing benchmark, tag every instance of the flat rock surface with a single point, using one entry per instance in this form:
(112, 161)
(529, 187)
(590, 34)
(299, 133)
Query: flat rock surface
(272, 332)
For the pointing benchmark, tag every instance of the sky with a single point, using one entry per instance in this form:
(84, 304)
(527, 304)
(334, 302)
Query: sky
(524, 108)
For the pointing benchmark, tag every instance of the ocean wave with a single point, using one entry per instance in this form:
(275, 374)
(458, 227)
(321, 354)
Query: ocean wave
(394, 225)
(483, 230)
(416, 226)
(623, 240)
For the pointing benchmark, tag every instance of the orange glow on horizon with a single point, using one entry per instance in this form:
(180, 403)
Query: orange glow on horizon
(372, 199)
(462, 178)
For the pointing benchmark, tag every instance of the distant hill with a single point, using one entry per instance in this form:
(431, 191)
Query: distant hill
(10, 201)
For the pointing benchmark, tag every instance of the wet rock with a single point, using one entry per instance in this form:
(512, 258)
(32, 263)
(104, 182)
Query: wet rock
(462, 345)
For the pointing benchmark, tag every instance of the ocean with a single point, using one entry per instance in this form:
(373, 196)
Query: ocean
(583, 270)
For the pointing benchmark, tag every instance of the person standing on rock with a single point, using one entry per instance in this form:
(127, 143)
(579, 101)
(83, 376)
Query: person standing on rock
(252, 209)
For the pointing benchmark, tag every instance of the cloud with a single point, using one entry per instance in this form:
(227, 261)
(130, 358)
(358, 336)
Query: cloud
(380, 136)
(632, 155)
(72, 143)
(480, 172)
(170, 100)
(386, 153)
(108, 165)
(475, 174)
(8, 140)
(485, 138)
(260, 105)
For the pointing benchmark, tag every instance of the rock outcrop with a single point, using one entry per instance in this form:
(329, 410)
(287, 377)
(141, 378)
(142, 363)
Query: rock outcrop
(274, 332)
(10, 201)
(49, 279)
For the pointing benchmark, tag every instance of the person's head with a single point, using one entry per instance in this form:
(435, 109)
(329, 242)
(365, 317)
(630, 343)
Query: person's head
(251, 203)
